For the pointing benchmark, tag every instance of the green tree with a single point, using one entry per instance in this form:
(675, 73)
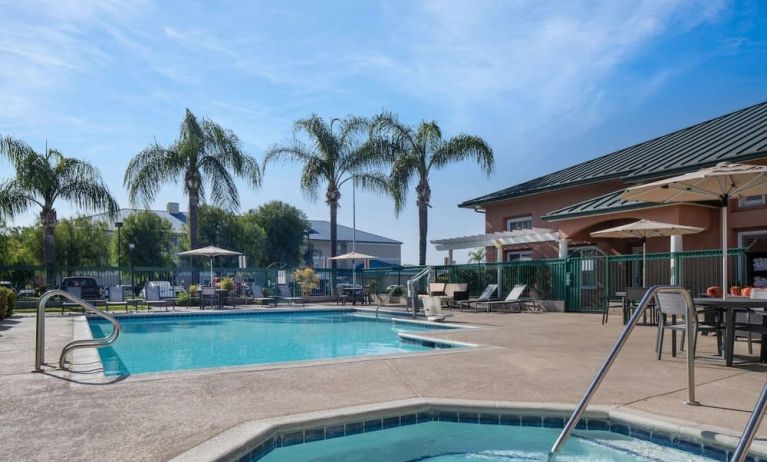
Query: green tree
(82, 242)
(41, 181)
(285, 229)
(224, 229)
(333, 154)
(206, 158)
(477, 255)
(417, 152)
(152, 237)
(25, 245)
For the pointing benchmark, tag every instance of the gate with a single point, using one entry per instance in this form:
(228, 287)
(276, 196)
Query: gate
(586, 279)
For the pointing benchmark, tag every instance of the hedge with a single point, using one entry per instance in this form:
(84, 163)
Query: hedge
(7, 302)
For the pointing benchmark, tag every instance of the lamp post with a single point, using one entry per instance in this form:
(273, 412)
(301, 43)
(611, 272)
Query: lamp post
(118, 225)
(131, 247)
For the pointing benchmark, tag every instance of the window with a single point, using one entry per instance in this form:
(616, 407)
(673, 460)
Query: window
(514, 224)
(519, 255)
(751, 201)
(747, 238)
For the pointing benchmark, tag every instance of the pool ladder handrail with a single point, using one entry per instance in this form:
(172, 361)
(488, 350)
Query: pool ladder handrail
(691, 319)
(741, 451)
(40, 334)
(412, 294)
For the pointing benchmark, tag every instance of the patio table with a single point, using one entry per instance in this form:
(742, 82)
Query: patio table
(729, 306)
(353, 291)
(221, 293)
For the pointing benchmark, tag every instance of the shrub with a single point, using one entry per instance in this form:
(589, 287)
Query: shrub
(306, 280)
(11, 305)
(227, 284)
(183, 299)
(3, 301)
(193, 289)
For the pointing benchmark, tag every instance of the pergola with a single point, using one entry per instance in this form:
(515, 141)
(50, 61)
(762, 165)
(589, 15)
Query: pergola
(498, 240)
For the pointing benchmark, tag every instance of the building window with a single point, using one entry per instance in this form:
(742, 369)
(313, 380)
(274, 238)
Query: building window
(514, 224)
(745, 239)
(751, 201)
(519, 255)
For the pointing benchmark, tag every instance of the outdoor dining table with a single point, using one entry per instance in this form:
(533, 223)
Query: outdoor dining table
(353, 291)
(221, 293)
(730, 306)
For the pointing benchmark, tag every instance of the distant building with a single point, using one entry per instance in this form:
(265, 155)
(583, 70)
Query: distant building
(387, 250)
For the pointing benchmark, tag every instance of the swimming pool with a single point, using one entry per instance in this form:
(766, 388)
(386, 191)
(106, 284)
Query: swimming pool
(452, 442)
(159, 343)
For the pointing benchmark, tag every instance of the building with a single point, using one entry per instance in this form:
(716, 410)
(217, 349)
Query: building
(553, 215)
(387, 250)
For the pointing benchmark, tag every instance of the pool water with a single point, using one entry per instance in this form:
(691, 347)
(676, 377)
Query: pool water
(181, 342)
(454, 442)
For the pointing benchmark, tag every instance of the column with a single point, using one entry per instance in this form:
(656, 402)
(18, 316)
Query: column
(499, 267)
(450, 257)
(563, 248)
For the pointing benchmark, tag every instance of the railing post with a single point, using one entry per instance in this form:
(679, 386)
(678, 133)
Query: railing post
(741, 451)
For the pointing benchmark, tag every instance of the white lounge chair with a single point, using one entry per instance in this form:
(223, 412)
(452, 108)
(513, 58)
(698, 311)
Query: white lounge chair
(485, 296)
(511, 300)
(433, 308)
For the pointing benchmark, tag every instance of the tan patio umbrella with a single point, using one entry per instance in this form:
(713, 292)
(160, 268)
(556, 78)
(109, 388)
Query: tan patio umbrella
(643, 229)
(722, 182)
(353, 256)
(210, 252)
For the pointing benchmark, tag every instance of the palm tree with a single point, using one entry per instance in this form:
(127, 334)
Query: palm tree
(205, 154)
(477, 255)
(419, 150)
(335, 153)
(41, 180)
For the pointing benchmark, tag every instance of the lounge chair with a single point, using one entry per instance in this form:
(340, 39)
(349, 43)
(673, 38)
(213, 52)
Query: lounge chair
(116, 298)
(287, 296)
(437, 288)
(433, 308)
(77, 292)
(153, 298)
(454, 293)
(258, 296)
(485, 296)
(511, 300)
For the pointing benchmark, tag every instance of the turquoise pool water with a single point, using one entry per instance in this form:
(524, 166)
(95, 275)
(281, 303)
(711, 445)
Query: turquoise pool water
(181, 342)
(454, 442)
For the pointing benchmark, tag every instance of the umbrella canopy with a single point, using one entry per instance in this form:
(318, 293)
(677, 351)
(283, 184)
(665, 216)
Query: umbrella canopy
(353, 256)
(643, 229)
(722, 182)
(209, 251)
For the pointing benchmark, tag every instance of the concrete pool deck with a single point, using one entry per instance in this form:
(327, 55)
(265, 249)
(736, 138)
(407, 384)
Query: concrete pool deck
(548, 358)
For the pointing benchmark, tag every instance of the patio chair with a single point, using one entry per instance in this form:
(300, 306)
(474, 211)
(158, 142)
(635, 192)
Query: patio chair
(208, 294)
(437, 288)
(258, 296)
(116, 298)
(631, 301)
(454, 293)
(433, 308)
(287, 296)
(750, 324)
(511, 300)
(153, 299)
(675, 305)
(485, 296)
(341, 295)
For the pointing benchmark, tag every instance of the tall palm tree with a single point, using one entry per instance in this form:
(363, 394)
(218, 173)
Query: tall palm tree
(335, 153)
(419, 150)
(477, 255)
(205, 154)
(41, 180)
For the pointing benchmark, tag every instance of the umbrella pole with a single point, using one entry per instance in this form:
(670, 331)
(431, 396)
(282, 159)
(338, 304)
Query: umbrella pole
(724, 246)
(644, 262)
(211, 272)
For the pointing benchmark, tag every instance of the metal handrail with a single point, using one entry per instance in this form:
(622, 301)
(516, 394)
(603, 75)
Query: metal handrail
(411, 289)
(691, 319)
(741, 451)
(40, 335)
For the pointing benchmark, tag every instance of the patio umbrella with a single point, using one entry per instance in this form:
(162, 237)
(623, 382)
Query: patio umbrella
(353, 256)
(644, 229)
(210, 252)
(722, 182)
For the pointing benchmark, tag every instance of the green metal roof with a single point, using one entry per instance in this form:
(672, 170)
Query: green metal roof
(738, 136)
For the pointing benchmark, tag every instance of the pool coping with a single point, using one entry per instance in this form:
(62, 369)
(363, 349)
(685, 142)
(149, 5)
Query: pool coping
(238, 442)
(86, 368)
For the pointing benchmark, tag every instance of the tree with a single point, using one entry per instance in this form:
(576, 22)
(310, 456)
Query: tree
(285, 229)
(334, 153)
(205, 156)
(224, 229)
(43, 179)
(418, 151)
(152, 237)
(82, 242)
(477, 255)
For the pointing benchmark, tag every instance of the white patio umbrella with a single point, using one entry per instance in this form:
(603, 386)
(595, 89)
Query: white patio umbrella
(643, 229)
(722, 182)
(353, 256)
(210, 252)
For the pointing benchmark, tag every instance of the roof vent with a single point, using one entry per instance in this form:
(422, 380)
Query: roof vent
(172, 207)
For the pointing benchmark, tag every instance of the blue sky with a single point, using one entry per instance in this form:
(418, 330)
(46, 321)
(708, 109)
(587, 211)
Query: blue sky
(547, 84)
